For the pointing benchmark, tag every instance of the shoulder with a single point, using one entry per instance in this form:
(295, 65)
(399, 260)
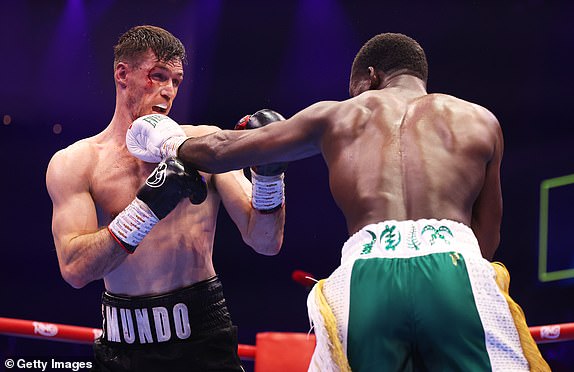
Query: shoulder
(333, 111)
(475, 118)
(76, 153)
(446, 100)
(71, 165)
(463, 108)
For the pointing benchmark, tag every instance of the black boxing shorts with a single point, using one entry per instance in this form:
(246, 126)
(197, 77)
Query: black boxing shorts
(188, 329)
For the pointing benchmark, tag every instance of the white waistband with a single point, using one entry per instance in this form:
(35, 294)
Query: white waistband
(404, 239)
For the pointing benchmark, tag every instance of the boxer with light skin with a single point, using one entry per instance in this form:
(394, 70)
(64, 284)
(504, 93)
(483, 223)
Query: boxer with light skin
(417, 177)
(148, 229)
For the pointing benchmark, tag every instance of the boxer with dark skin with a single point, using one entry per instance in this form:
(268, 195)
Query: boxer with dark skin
(170, 277)
(393, 151)
(417, 177)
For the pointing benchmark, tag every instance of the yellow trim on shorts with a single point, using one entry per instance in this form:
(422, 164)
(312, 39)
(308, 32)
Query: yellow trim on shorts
(330, 322)
(531, 352)
(529, 347)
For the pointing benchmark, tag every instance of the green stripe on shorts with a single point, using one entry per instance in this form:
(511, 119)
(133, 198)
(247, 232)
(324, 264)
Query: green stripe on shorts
(414, 313)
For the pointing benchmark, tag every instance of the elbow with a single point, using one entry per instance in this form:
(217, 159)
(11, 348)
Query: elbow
(267, 248)
(74, 277)
(489, 247)
(265, 232)
(273, 249)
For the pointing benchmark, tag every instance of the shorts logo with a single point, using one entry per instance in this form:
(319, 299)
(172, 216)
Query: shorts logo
(455, 257)
(437, 233)
(413, 242)
(368, 247)
(159, 324)
(391, 238)
(157, 178)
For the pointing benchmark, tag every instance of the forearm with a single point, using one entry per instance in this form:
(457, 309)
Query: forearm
(90, 257)
(212, 153)
(265, 231)
(260, 229)
(487, 234)
(488, 243)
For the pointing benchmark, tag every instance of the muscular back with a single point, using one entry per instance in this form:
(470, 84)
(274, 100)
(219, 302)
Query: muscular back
(393, 153)
(399, 156)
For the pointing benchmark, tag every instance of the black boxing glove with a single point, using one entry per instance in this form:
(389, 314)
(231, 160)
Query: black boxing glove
(194, 186)
(268, 193)
(166, 186)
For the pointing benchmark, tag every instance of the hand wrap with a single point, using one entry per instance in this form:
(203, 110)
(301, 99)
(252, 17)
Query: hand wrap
(268, 193)
(166, 186)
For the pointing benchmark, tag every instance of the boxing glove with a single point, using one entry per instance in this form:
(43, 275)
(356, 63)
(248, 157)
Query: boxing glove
(268, 194)
(165, 187)
(154, 137)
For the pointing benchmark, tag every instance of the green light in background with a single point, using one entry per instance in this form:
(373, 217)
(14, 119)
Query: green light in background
(543, 273)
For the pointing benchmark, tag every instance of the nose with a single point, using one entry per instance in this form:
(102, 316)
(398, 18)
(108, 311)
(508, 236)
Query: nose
(168, 90)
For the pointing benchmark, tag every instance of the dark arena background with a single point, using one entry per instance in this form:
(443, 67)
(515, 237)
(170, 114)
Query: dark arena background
(513, 57)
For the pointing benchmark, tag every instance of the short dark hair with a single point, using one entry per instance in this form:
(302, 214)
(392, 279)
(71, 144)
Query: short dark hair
(140, 39)
(391, 52)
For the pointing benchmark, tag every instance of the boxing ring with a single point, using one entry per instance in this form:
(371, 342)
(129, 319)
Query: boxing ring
(272, 350)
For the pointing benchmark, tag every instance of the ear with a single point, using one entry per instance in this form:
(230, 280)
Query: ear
(120, 74)
(374, 78)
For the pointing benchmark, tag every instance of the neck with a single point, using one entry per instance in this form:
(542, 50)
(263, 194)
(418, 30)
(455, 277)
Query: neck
(404, 82)
(123, 117)
(120, 122)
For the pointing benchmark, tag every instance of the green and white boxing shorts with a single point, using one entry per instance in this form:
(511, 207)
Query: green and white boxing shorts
(413, 295)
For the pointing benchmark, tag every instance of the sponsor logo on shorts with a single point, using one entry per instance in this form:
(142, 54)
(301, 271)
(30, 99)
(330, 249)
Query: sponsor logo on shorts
(146, 325)
(390, 238)
(437, 233)
(368, 247)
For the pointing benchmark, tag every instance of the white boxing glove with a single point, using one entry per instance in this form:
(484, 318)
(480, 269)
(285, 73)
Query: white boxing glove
(153, 138)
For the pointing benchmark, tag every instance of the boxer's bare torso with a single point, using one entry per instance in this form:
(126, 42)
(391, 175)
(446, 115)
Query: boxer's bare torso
(395, 153)
(104, 176)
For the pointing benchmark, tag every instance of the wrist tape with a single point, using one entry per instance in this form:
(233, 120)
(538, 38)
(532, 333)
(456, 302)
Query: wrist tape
(133, 224)
(170, 146)
(268, 191)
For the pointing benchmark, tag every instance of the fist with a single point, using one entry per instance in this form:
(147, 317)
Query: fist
(153, 138)
(260, 119)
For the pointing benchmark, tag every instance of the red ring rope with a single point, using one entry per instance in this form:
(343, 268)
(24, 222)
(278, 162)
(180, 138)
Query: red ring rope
(86, 335)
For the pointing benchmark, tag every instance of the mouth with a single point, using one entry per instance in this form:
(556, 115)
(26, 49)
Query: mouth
(160, 108)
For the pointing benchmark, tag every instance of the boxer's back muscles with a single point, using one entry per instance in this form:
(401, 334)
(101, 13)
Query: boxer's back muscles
(395, 156)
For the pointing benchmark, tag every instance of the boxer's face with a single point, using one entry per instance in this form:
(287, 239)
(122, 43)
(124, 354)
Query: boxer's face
(153, 85)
